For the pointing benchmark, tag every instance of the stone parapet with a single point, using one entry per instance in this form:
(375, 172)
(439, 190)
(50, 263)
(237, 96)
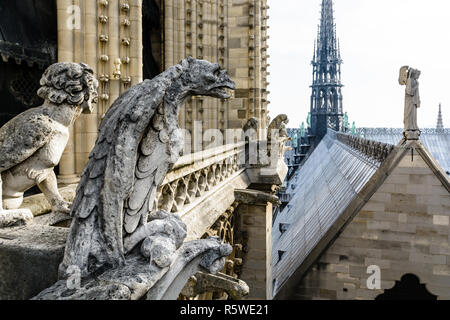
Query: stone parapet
(29, 260)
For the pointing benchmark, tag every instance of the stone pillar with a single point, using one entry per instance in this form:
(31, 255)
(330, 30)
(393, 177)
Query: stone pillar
(66, 53)
(255, 211)
(108, 30)
(136, 63)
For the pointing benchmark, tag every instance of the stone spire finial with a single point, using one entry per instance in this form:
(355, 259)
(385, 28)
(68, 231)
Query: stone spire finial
(409, 77)
(326, 98)
(440, 123)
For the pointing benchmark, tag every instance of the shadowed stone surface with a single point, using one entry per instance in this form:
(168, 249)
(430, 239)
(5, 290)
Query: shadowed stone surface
(29, 259)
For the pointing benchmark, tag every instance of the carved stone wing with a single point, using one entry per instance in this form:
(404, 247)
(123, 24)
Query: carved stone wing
(22, 137)
(151, 167)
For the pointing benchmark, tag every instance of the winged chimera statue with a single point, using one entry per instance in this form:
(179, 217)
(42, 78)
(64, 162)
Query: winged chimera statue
(139, 141)
(32, 143)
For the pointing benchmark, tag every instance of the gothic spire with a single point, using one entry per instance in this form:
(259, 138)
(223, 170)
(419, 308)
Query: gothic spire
(326, 42)
(440, 123)
(326, 98)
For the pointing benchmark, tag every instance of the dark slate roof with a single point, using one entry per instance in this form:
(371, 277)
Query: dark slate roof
(328, 182)
(437, 141)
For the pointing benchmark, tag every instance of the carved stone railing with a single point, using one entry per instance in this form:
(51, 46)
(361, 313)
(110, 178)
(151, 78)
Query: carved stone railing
(194, 175)
(373, 150)
(367, 132)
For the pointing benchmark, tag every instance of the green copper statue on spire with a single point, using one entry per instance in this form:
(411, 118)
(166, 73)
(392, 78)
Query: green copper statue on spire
(308, 120)
(295, 142)
(302, 130)
(346, 123)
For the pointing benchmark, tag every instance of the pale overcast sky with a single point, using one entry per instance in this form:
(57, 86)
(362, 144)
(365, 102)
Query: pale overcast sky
(377, 38)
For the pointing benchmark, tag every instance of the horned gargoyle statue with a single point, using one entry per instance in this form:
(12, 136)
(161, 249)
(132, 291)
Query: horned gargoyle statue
(122, 249)
(32, 143)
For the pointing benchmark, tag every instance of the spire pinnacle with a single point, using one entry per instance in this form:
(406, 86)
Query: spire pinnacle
(326, 99)
(326, 42)
(440, 123)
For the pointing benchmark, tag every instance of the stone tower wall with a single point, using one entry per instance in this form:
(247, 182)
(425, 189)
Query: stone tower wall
(230, 32)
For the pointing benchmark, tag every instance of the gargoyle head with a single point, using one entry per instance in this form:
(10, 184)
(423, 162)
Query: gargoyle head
(70, 83)
(205, 78)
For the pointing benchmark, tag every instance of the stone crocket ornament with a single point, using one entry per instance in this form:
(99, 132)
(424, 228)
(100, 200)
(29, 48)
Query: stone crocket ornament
(32, 143)
(410, 78)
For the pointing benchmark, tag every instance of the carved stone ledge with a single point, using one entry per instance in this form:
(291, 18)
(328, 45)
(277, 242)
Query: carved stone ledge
(15, 218)
(268, 175)
(139, 277)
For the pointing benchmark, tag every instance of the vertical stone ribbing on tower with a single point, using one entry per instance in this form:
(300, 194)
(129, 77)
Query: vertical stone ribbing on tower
(197, 135)
(190, 43)
(264, 64)
(222, 39)
(326, 97)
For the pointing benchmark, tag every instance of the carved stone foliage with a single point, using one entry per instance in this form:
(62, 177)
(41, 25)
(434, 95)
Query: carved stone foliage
(373, 150)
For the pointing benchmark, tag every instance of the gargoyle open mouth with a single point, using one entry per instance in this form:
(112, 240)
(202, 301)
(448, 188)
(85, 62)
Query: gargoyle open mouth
(223, 91)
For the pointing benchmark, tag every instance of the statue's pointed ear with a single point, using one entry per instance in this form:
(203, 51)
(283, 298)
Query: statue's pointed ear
(185, 63)
(190, 59)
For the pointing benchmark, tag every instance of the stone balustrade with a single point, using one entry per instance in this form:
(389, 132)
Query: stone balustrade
(373, 150)
(196, 174)
(398, 131)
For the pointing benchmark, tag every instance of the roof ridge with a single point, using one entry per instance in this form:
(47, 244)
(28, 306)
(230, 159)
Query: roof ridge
(374, 150)
(435, 167)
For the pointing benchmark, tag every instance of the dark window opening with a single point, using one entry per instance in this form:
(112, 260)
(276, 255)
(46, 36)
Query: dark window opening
(151, 38)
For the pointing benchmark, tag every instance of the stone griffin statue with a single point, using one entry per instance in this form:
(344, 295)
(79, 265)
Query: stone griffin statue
(113, 227)
(32, 143)
(410, 78)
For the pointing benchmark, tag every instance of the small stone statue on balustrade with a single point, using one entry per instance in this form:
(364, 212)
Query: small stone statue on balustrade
(410, 77)
(32, 143)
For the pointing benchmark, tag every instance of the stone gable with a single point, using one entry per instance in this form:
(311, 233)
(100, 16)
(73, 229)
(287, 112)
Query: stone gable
(403, 228)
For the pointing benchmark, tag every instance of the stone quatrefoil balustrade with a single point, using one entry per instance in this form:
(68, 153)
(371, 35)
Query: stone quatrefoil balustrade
(194, 175)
